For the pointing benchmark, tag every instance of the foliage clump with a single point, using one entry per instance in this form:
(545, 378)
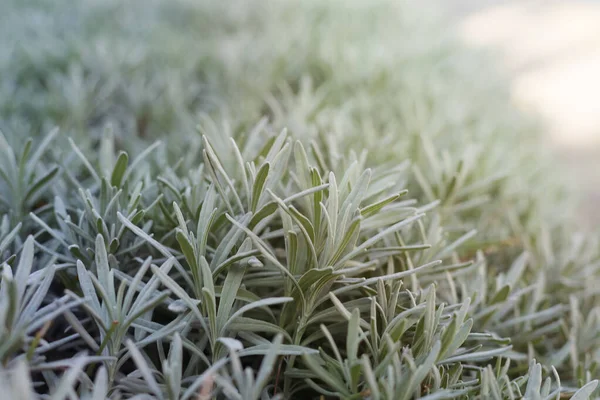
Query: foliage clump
(277, 200)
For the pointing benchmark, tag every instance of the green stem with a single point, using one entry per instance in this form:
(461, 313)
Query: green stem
(297, 339)
(104, 343)
(36, 340)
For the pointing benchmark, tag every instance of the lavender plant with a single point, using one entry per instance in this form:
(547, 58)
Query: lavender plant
(339, 211)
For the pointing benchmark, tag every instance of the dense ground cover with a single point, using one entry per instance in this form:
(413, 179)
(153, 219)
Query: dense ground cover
(261, 199)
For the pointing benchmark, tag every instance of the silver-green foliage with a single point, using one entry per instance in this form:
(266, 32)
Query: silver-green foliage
(391, 243)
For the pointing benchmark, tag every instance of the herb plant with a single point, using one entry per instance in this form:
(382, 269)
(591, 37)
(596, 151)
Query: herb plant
(273, 200)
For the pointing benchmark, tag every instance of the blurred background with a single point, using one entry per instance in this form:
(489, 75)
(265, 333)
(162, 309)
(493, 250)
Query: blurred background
(148, 66)
(551, 52)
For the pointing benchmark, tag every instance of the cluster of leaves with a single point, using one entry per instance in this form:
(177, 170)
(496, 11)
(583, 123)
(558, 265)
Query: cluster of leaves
(395, 243)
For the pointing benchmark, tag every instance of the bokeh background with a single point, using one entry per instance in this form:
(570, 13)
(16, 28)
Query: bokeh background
(551, 52)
